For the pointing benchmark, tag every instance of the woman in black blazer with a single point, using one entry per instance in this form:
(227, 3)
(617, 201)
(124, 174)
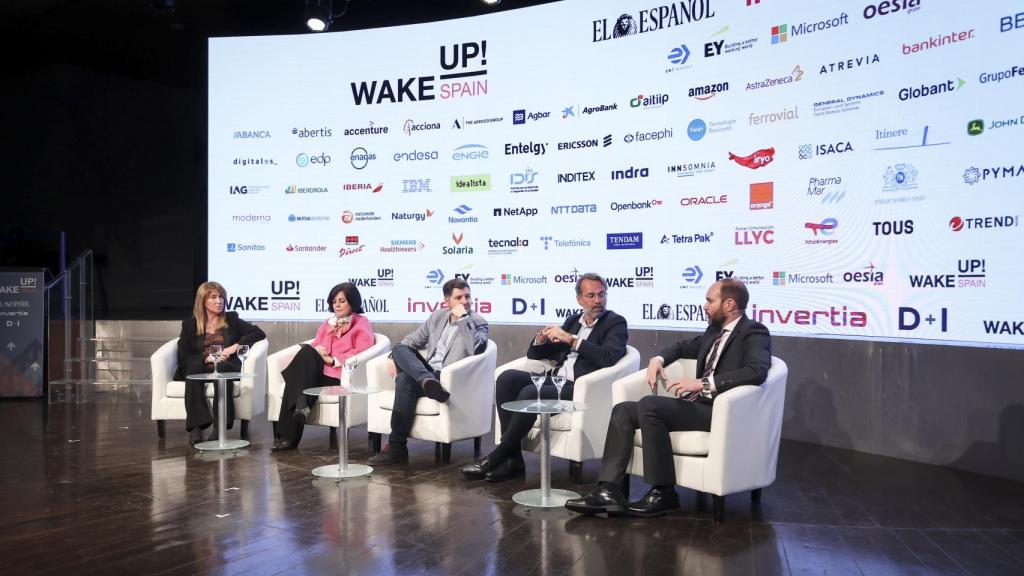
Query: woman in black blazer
(208, 325)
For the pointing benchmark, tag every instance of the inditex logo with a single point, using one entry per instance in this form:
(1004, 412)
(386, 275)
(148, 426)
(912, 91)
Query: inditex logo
(471, 183)
(762, 196)
(653, 19)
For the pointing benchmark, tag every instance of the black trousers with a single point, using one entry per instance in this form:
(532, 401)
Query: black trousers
(655, 417)
(306, 370)
(517, 385)
(413, 369)
(197, 411)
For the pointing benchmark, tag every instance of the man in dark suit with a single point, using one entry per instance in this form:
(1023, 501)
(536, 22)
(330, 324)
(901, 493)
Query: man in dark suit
(585, 342)
(733, 351)
(451, 333)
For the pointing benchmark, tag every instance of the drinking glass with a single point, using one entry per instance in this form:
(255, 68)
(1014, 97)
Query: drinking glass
(558, 379)
(350, 368)
(215, 350)
(538, 375)
(243, 351)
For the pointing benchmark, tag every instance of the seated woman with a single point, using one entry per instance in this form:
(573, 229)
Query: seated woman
(210, 325)
(343, 335)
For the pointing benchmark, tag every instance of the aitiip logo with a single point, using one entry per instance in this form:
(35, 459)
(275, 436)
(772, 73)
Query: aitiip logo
(625, 241)
(648, 101)
(762, 196)
(696, 129)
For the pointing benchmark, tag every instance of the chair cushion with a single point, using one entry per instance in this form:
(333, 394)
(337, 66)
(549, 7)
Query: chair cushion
(559, 423)
(176, 389)
(424, 406)
(684, 443)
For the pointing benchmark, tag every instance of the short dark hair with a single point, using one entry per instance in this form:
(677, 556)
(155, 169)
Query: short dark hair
(355, 300)
(736, 290)
(451, 285)
(589, 276)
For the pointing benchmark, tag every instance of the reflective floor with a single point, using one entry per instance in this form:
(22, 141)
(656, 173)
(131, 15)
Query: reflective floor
(91, 490)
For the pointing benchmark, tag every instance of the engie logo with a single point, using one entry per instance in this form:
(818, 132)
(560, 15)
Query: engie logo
(625, 241)
(470, 152)
(469, 57)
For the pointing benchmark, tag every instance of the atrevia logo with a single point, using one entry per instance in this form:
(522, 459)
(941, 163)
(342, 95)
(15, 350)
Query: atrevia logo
(696, 129)
(649, 101)
(762, 196)
(759, 158)
(470, 152)
(848, 64)
(360, 158)
(304, 159)
(625, 241)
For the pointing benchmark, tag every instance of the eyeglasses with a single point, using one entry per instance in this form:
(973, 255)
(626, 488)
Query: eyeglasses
(593, 295)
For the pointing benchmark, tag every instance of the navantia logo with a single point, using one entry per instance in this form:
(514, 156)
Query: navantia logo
(758, 159)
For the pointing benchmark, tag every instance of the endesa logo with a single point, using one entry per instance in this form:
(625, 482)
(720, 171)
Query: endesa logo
(521, 116)
(470, 152)
(415, 155)
(324, 132)
(758, 159)
(807, 151)
(762, 196)
(957, 224)
(649, 101)
(653, 19)
(974, 175)
(887, 7)
(970, 273)
(466, 60)
(645, 205)
(303, 159)
(625, 241)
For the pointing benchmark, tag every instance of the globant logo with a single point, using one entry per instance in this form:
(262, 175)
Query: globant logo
(522, 182)
(625, 241)
(360, 158)
(696, 129)
(411, 126)
(653, 136)
(924, 90)
(463, 216)
(235, 247)
(470, 152)
(415, 155)
(974, 175)
(648, 102)
(618, 207)
(758, 159)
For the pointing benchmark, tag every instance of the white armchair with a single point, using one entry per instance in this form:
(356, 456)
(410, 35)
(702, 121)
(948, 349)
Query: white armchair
(325, 412)
(466, 414)
(578, 436)
(742, 449)
(169, 394)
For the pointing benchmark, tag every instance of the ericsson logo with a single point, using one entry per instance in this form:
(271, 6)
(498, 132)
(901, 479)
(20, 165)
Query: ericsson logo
(360, 158)
(303, 160)
(589, 143)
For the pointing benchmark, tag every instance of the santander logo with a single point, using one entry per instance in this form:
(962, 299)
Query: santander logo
(762, 157)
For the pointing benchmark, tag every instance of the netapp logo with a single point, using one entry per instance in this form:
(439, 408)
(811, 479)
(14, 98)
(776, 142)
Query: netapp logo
(235, 247)
(517, 148)
(576, 177)
(574, 209)
(471, 57)
(520, 116)
(415, 155)
(653, 136)
(653, 19)
(914, 92)
(974, 175)
(324, 132)
(625, 241)
(520, 211)
(410, 126)
(956, 223)
(470, 152)
(366, 131)
(251, 135)
(303, 160)
(649, 101)
(591, 143)
(617, 207)
(708, 91)
(359, 158)
(848, 64)
(629, 173)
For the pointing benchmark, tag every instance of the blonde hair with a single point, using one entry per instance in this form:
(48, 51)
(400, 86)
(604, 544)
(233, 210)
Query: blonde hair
(199, 308)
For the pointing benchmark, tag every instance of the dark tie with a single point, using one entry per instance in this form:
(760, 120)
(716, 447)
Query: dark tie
(709, 368)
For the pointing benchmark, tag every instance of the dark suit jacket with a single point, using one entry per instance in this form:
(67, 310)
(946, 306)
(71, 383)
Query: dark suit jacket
(190, 344)
(744, 360)
(605, 346)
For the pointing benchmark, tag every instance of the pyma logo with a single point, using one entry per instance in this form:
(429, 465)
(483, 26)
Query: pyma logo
(696, 129)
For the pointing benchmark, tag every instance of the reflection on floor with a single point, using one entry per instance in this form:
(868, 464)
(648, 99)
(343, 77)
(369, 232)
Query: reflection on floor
(90, 489)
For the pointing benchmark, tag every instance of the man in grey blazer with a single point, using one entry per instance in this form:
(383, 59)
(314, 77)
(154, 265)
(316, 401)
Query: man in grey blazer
(451, 333)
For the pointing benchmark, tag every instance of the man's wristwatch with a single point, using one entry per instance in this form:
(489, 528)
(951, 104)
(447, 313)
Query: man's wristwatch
(707, 385)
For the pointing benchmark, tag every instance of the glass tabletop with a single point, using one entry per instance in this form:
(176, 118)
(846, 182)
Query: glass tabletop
(217, 376)
(334, 391)
(544, 407)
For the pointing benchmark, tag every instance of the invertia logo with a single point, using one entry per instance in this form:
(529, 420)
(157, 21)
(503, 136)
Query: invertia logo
(762, 196)
(649, 101)
(653, 19)
(937, 41)
(469, 57)
(974, 175)
(832, 316)
(956, 223)
(758, 159)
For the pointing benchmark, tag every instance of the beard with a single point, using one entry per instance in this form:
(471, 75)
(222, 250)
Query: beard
(717, 320)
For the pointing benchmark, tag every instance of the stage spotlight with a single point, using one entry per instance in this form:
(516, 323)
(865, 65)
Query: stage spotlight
(318, 14)
(491, 2)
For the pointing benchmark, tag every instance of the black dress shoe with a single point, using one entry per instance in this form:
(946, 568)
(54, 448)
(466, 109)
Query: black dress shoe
(282, 446)
(601, 500)
(433, 390)
(301, 416)
(507, 468)
(478, 469)
(656, 502)
(195, 436)
(391, 454)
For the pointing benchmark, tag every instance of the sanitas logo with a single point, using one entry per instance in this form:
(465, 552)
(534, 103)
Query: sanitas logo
(758, 159)
(411, 126)
(807, 151)
(938, 41)
(235, 247)
(471, 183)
(359, 158)
(782, 32)
(470, 152)
(415, 155)
(324, 132)
(251, 135)
(974, 175)
(649, 101)
(848, 64)
(708, 91)
(653, 19)
(890, 7)
(467, 60)
(914, 92)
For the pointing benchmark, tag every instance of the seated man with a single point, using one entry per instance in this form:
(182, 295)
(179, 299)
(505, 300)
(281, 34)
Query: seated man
(450, 334)
(591, 340)
(733, 351)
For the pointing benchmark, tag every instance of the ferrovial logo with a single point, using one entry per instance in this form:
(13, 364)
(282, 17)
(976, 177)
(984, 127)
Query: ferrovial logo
(464, 216)
(410, 126)
(415, 155)
(552, 242)
(870, 274)
(624, 241)
(517, 148)
(570, 177)
(758, 159)
(630, 173)
(471, 183)
(366, 130)
(974, 175)
(523, 182)
(689, 169)
(293, 189)
(754, 235)
(781, 33)
(324, 132)
(807, 151)
(653, 19)
(925, 90)
(359, 158)
(460, 63)
(957, 223)
(588, 143)
(416, 185)
(694, 238)
(825, 228)
(521, 116)
(564, 209)
(642, 205)
(762, 196)
(771, 81)
(710, 200)
(251, 135)
(848, 64)
(783, 115)
(305, 248)
(886, 7)
(652, 136)
(649, 101)
(358, 186)
(303, 159)
(470, 152)
(234, 247)
(938, 41)
(708, 91)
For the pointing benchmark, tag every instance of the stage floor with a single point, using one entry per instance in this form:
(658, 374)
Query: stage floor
(90, 489)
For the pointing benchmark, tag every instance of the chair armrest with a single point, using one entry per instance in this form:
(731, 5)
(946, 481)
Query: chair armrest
(256, 367)
(471, 371)
(162, 365)
(381, 347)
(522, 363)
(377, 377)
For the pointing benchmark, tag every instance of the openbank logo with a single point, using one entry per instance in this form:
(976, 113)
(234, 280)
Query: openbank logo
(303, 160)
(415, 155)
(649, 101)
(589, 143)
(366, 131)
(781, 33)
(250, 218)
(411, 126)
(521, 116)
(470, 152)
(644, 205)
(652, 19)
(522, 182)
(974, 175)
(359, 158)
(235, 247)
(324, 132)
(652, 136)
(251, 135)
(624, 241)
(471, 183)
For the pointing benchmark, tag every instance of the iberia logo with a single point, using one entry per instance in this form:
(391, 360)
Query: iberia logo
(762, 157)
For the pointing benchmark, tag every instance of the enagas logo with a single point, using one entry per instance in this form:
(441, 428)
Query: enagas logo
(758, 159)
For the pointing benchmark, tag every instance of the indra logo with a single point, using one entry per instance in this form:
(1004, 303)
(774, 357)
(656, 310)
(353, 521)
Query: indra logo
(848, 64)
(808, 151)
(625, 241)
(470, 152)
(696, 129)
(466, 60)
(758, 159)
(925, 90)
(304, 159)
(521, 116)
(629, 173)
(762, 196)
(649, 101)
(359, 158)
(899, 177)
(957, 224)
(708, 91)
(324, 132)
(523, 182)
(974, 175)
(890, 7)
(411, 126)
(653, 19)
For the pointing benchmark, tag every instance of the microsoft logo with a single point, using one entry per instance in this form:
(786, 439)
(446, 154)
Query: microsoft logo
(780, 33)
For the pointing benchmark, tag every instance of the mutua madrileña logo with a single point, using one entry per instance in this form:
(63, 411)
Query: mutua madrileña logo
(470, 58)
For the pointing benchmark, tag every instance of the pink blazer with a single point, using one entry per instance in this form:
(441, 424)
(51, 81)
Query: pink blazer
(358, 338)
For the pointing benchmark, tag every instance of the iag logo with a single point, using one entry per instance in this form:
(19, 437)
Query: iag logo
(303, 160)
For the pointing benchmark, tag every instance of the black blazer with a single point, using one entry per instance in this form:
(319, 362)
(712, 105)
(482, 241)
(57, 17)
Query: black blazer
(190, 345)
(744, 360)
(605, 346)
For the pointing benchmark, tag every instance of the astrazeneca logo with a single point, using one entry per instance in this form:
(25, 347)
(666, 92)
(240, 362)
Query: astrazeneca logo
(304, 160)
(629, 173)
(411, 126)
(652, 136)
(470, 152)
(759, 158)
(807, 151)
(235, 247)
(251, 135)
(924, 90)
(312, 132)
(696, 129)
(590, 143)
(415, 155)
(625, 241)
(974, 175)
(521, 116)
(649, 101)
(708, 91)
(360, 158)
(643, 205)
(695, 238)
(522, 182)
(416, 185)
(366, 131)
(653, 19)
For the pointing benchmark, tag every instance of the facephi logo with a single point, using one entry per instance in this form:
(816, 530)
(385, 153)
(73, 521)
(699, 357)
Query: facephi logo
(469, 57)
(758, 159)
(653, 19)
(808, 151)
(974, 175)
(762, 196)
(625, 241)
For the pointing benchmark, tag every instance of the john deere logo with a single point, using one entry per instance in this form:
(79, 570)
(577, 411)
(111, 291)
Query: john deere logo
(975, 127)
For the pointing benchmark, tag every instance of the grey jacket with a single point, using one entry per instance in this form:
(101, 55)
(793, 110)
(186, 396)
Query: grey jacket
(471, 337)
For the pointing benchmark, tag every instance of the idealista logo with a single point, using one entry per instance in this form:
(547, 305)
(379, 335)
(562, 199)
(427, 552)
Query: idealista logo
(466, 60)
(782, 32)
(974, 175)
(653, 19)
(648, 102)
(251, 135)
(914, 92)
(886, 7)
(807, 151)
(304, 160)
(758, 159)
(630, 173)
(708, 91)
(762, 196)
(471, 183)
(411, 126)
(363, 186)
(957, 224)
(324, 132)
(359, 158)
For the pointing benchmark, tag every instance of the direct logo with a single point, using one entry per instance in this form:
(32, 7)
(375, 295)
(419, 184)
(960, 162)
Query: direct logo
(807, 151)
(781, 33)
(415, 155)
(649, 101)
(695, 238)
(958, 224)
(471, 183)
(925, 90)
(523, 182)
(754, 235)
(411, 126)
(974, 175)
(758, 159)
(652, 136)
(359, 158)
(416, 185)
(771, 81)
(938, 41)
(251, 135)
(653, 19)
(692, 168)
(351, 247)
(708, 91)
(696, 129)
(470, 152)
(464, 216)
(970, 273)
(848, 64)
(624, 241)
(762, 196)
(630, 173)
(461, 78)
(370, 130)
(893, 227)
(324, 132)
